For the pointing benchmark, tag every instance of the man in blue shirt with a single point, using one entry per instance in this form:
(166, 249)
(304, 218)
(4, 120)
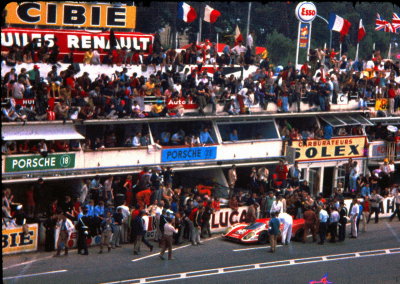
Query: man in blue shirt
(365, 190)
(205, 137)
(91, 208)
(99, 210)
(233, 136)
(323, 224)
(328, 131)
(273, 231)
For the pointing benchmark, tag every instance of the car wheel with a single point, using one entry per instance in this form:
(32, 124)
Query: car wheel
(263, 238)
(299, 235)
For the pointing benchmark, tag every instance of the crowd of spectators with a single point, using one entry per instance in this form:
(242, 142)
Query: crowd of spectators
(317, 83)
(154, 192)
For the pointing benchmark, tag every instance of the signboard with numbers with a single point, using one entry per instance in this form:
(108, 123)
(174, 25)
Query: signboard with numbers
(188, 154)
(37, 162)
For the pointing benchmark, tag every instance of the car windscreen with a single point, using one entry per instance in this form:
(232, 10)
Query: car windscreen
(254, 226)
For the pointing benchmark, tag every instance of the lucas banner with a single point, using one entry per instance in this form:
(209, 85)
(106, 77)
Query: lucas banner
(77, 39)
(76, 15)
(15, 240)
(335, 148)
(304, 35)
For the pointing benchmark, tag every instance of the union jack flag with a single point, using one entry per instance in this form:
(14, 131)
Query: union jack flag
(381, 24)
(396, 22)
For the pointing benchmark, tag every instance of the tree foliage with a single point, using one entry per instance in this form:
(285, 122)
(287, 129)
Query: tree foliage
(276, 21)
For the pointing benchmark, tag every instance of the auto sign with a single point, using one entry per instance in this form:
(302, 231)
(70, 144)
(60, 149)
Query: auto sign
(306, 12)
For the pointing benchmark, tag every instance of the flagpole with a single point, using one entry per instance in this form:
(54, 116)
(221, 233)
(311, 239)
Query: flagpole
(390, 50)
(358, 44)
(323, 58)
(200, 24)
(373, 47)
(309, 43)
(248, 20)
(217, 41)
(340, 51)
(297, 49)
(176, 39)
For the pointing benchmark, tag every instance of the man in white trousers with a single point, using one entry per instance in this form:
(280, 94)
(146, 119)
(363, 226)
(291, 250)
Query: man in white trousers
(287, 222)
(355, 211)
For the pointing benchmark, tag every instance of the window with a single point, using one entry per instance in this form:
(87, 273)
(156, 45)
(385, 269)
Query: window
(248, 130)
(162, 130)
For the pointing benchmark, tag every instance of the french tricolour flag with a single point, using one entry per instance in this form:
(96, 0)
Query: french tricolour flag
(211, 15)
(339, 24)
(186, 12)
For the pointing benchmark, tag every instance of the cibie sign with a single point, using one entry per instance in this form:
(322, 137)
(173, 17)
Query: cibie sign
(306, 12)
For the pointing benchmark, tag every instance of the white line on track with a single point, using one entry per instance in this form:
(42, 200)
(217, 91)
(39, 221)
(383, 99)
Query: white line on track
(393, 231)
(236, 250)
(27, 262)
(154, 254)
(257, 266)
(35, 274)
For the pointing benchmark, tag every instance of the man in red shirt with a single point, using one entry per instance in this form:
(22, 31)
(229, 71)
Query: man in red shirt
(391, 96)
(281, 171)
(305, 70)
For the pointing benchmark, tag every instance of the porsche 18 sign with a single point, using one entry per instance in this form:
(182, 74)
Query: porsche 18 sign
(71, 14)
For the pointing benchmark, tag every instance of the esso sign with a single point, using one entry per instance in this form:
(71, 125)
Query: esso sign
(306, 12)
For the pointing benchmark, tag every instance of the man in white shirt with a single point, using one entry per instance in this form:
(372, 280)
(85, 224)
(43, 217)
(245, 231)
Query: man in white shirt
(125, 225)
(355, 210)
(84, 191)
(333, 224)
(250, 41)
(18, 89)
(64, 229)
(396, 200)
(287, 222)
(277, 205)
(136, 139)
(169, 231)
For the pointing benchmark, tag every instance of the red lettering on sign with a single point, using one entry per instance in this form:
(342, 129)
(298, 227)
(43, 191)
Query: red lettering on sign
(305, 12)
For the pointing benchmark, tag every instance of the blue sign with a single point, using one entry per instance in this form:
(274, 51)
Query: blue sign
(304, 35)
(188, 154)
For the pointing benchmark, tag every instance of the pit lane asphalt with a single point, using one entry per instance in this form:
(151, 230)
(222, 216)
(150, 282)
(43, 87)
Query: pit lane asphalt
(217, 253)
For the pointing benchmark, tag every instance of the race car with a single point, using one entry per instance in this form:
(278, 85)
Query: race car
(257, 232)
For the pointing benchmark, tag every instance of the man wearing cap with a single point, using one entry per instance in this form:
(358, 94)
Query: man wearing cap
(34, 76)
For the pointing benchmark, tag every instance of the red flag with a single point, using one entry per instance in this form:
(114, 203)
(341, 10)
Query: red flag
(211, 15)
(345, 29)
(361, 31)
(238, 36)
